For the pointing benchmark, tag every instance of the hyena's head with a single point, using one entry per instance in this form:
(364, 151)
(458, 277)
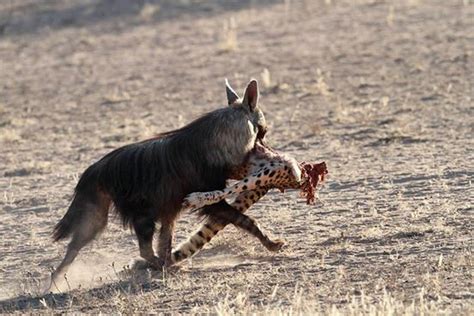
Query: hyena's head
(249, 103)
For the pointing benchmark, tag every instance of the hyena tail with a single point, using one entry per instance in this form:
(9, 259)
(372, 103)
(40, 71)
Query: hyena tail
(197, 240)
(66, 225)
(84, 213)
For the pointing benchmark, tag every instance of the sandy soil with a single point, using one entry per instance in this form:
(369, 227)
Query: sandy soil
(380, 90)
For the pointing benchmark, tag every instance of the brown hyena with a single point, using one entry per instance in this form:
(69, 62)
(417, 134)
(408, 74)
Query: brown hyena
(146, 182)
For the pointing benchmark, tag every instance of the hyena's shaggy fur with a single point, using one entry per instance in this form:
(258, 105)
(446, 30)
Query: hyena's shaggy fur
(264, 170)
(146, 182)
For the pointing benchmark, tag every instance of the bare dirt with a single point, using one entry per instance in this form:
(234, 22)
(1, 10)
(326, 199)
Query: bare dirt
(380, 90)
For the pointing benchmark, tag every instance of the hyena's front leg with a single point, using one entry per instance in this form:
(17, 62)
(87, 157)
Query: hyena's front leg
(144, 229)
(212, 225)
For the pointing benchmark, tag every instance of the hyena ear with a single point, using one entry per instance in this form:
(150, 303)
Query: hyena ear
(231, 94)
(251, 95)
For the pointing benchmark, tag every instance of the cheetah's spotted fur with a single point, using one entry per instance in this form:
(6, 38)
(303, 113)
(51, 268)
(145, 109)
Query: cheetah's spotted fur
(265, 169)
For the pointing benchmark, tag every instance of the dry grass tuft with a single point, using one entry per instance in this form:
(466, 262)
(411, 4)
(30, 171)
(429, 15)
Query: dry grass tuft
(116, 96)
(8, 135)
(266, 78)
(360, 304)
(391, 15)
(26, 168)
(228, 42)
(148, 11)
(321, 87)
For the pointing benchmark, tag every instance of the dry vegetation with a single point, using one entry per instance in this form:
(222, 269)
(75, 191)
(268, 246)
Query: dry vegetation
(380, 90)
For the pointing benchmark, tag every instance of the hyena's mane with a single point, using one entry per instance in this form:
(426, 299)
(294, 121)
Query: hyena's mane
(152, 177)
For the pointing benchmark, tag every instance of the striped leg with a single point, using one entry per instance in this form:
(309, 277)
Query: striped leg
(248, 224)
(213, 225)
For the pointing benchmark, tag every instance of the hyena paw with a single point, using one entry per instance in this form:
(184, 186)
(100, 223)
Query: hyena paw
(156, 263)
(275, 245)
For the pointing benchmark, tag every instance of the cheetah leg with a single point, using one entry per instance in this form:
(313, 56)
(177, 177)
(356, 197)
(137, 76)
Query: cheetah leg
(263, 177)
(248, 224)
(212, 226)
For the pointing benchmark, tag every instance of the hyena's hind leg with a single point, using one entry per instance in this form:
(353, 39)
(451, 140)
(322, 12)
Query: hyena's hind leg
(89, 218)
(166, 240)
(213, 225)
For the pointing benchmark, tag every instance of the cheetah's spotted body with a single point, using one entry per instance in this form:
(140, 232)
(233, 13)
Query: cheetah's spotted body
(265, 169)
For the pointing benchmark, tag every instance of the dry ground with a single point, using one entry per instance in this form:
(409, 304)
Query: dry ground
(380, 90)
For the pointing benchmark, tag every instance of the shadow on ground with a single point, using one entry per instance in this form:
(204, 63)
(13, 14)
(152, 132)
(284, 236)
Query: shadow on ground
(112, 15)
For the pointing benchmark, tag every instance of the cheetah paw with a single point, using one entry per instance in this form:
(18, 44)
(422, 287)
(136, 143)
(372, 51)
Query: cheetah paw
(193, 201)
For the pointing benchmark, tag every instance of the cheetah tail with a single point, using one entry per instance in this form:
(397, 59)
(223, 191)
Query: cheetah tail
(196, 241)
